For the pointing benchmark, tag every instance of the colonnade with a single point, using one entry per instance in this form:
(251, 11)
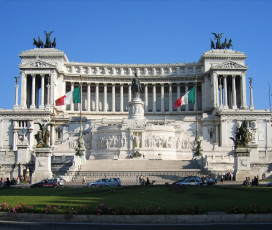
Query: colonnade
(35, 91)
(114, 97)
(229, 91)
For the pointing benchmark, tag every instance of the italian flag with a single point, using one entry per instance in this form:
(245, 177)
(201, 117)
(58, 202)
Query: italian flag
(188, 98)
(74, 95)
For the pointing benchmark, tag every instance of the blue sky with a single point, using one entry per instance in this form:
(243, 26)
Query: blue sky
(137, 31)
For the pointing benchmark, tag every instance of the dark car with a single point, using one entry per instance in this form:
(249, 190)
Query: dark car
(210, 181)
(51, 183)
(179, 180)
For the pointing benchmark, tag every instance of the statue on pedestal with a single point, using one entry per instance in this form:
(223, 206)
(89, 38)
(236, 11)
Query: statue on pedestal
(242, 136)
(42, 137)
(136, 86)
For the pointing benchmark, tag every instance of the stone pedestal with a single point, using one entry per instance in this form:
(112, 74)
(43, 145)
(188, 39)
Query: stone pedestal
(42, 164)
(136, 108)
(23, 156)
(242, 163)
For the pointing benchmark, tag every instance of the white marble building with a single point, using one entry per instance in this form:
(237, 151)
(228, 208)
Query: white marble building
(160, 131)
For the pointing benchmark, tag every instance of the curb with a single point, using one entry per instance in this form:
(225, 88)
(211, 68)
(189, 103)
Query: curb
(138, 219)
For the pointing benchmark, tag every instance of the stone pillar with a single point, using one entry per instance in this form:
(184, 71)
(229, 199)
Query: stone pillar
(146, 97)
(162, 97)
(31, 135)
(215, 90)
(105, 98)
(52, 135)
(234, 101)
(42, 164)
(42, 92)
(16, 94)
(154, 109)
(251, 94)
(72, 89)
(15, 135)
(170, 98)
(220, 92)
(33, 105)
(178, 94)
(129, 92)
(96, 97)
(243, 91)
(225, 92)
(113, 97)
(121, 98)
(186, 90)
(89, 97)
(23, 91)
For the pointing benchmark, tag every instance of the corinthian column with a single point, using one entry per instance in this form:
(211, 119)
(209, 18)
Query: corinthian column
(121, 98)
(178, 94)
(186, 90)
(23, 91)
(113, 97)
(243, 91)
(234, 101)
(162, 97)
(225, 92)
(42, 92)
(146, 97)
(170, 98)
(96, 97)
(88, 96)
(33, 106)
(105, 97)
(154, 98)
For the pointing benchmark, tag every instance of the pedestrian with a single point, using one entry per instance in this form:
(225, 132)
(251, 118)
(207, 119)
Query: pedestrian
(137, 180)
(263, 177)
(18, 180)
(8, 183)
(83, 179)
(222, 178)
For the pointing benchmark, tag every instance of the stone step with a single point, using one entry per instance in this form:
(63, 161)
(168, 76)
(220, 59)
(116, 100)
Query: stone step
(137, 165)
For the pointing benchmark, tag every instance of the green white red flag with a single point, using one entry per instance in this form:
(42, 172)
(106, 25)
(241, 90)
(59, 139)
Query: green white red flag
(72, 96)
(188, 98)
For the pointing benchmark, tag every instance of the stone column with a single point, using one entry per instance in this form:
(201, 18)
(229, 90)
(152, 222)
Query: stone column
(243, 91)
(170, 98)
(129, 92)
(113, 97)
(215, 90)
(121, 98)
(234, 101)
(186, 90)
(96, 97)
(33, 106)
(251, 94)
(15, 131)
(16, 93)
(178, 94)
(146, 97)
(23, 91)
(72, 89)
(52, 135)
(154, 98)
(105, 97)
(89, 97)
(162, 97)
(221, 92)
(42, 93)
(225, 92)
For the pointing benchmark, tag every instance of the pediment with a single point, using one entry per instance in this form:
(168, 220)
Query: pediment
(38, 64)
(229, 65)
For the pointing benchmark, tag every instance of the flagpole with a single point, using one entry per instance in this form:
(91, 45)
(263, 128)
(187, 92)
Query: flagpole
(196, 104)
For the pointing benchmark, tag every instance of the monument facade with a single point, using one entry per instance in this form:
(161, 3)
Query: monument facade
(116, 123)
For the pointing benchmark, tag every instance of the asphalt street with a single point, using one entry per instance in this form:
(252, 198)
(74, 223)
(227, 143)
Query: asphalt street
(6, 225)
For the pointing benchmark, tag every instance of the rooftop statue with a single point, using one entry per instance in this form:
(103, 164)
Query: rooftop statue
(242, 136)
(48, 43)
(219, 45)
(136, 86)
(42, 137)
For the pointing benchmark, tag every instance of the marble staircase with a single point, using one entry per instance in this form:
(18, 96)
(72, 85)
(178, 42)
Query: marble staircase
(162, 171)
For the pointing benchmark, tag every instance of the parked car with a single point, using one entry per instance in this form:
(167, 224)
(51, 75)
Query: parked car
(269, 184)
(53, 183)
(105, 183)
(98, 183)
(191, 181)
(114, 182)
(210, 181)
(179, 180)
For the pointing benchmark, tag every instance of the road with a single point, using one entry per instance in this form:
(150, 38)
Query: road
(6, 225)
